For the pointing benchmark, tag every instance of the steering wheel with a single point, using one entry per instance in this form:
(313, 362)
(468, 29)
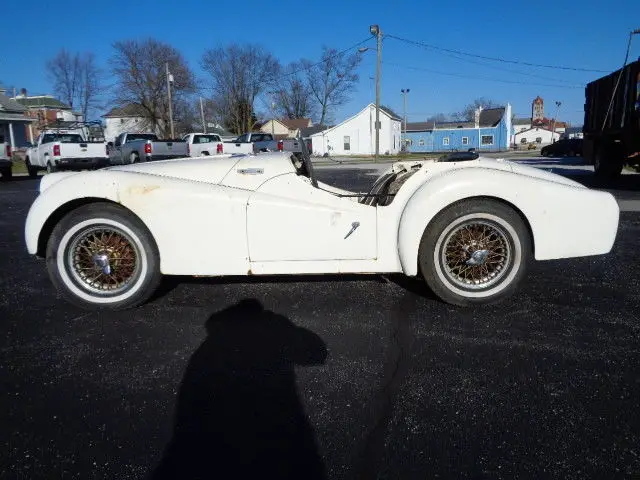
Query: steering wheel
(307, 167)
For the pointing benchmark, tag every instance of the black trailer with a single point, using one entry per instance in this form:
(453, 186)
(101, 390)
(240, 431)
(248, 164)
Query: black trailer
(612, 121)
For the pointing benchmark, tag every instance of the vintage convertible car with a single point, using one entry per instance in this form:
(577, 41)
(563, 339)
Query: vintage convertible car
(467, 225)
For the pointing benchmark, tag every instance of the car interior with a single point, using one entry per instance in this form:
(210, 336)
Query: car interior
(385, 188)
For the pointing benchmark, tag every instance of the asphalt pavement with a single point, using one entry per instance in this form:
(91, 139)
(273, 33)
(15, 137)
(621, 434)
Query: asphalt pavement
(323, 377)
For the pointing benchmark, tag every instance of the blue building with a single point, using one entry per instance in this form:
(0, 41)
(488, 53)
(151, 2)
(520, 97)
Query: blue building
(489, 131)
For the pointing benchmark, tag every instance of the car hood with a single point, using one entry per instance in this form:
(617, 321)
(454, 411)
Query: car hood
(199, 169)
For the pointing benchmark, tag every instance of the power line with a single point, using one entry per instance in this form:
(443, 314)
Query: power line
(494, 59)
(477, 77)
(495, 67)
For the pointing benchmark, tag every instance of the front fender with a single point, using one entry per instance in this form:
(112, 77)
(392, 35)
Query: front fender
(565, 220)
(58, 189)
(199, 228)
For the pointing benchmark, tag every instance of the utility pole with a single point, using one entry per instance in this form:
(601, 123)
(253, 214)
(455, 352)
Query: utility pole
(404, 102)
(204, 125)
(377, 32)
(553, 130)
(169, 81)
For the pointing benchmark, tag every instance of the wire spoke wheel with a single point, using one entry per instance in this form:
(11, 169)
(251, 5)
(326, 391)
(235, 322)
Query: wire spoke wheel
(103, 260)
(476, 254)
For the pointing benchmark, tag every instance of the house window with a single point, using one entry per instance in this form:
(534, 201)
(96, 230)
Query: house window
(421, 142)
(487, 139)
(538, 139)
(445, 141)
(523, 140)
(347, 142)
(465, 140)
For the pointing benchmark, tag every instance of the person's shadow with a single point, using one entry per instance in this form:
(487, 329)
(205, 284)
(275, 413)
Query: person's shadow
(238, 413)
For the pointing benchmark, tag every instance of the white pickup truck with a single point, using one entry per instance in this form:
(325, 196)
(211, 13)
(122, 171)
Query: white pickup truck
(64, 151)
(204, 144)
(6, 163)
(144, 147)
(263, 142)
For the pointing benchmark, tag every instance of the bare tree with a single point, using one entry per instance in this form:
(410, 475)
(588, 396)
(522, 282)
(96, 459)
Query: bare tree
(293, 97)
(332, 80)
(76, 79)
(140, 71)
(239, 74)
(437, 118)
(468, 111)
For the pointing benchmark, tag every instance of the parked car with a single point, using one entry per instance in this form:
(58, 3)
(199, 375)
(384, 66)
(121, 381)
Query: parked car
(563, 147)
(203, 144)
(6, 164)
(57, 150)
(264, 142)
(144, 147)
(468, 225)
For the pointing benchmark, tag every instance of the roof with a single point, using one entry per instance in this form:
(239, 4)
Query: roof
(308, 131)
(461, 124)
(14, 117)
(419, 126)
(521, 121)
(491, 117)
(130, 110)
(391, 113)
(9, 105)
(295, 123)
(42, 101)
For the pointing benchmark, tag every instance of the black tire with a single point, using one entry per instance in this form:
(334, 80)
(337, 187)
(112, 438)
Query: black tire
(607, 164)
(33, 171)
(6, 173)
(511, 251)
(133, 276)
(134, 158)
(51, 168)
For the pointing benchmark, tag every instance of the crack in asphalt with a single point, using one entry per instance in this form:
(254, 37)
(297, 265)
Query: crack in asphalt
(395, 370)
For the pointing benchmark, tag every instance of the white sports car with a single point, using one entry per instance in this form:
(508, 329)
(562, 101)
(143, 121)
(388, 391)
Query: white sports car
(467, 225)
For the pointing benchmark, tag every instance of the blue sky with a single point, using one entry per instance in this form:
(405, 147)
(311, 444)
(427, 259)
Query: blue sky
(586, 34)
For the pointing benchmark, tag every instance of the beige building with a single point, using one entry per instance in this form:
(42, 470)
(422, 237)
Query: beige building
(286, 127)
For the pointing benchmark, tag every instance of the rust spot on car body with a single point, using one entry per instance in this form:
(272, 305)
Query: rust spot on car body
(143, 189)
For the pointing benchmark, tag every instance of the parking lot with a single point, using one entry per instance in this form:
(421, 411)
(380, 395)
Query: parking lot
(357, 377)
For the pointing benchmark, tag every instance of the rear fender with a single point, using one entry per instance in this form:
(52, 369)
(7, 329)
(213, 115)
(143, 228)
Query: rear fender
(564, 220)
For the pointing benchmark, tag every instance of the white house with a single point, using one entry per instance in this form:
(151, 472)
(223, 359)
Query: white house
(357, 135)
(125, 119)
(539, 135)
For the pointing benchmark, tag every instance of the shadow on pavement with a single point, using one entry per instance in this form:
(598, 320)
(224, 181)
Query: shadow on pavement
(238, 413)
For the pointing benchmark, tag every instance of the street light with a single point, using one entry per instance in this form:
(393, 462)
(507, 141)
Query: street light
(404, 102)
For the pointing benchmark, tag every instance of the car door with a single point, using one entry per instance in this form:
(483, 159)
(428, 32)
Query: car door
(290, 220)
(43, 145)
